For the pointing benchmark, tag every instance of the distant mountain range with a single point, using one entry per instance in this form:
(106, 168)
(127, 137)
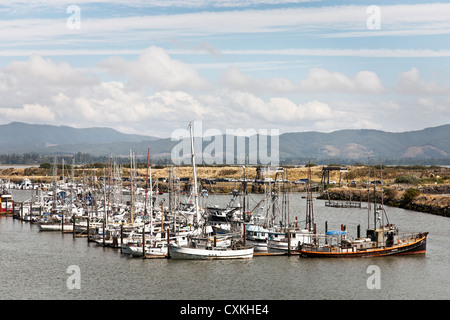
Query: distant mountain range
(18, 137)
(357, 144)
(428, 143)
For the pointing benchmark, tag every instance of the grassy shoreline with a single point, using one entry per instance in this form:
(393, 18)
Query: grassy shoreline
(359, 174)
(406, 197)
(432, 184)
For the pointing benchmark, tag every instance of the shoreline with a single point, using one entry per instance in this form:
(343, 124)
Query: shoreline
(431, 184)
(405, 197)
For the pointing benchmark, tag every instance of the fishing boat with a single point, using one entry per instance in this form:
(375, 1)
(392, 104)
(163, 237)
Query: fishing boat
(6, 204)
(382, 239)
(291, 240)
(257, 236)
(155, 244)
(210, 252)
(225, 220)
(55, 222)
(66, 227)
(158, 249)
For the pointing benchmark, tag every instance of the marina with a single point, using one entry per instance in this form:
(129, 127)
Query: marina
(34, 266)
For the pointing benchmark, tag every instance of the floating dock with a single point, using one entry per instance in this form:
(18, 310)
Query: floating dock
(339, 204)
(273, 254)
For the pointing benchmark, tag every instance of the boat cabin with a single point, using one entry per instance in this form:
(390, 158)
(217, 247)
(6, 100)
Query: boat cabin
(384, 237)
(6, 204)
(256, 232)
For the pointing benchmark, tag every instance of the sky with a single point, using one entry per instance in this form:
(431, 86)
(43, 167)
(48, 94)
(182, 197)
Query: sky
(151, 67)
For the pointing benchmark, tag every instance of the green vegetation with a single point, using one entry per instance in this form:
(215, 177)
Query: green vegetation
(310, 165)
(409, 178)
(409, 195)
(390, 193)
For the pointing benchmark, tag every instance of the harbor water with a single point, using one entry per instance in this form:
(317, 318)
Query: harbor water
(38, 265)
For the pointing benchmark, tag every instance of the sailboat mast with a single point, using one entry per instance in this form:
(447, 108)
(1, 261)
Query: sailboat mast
(194, 173)
(109, 188)
(55, 171)
(131, 187)
(151, 202)
(146, 183)
(71, 186)
(309, 202)
(368, 194)
(382, 200)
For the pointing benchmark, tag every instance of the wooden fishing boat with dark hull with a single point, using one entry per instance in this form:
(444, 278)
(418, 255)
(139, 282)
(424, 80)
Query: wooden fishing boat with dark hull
(382, 239)
(365, 247)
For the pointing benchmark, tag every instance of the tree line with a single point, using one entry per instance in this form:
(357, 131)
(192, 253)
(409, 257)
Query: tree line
(78, 158)
(86, 159)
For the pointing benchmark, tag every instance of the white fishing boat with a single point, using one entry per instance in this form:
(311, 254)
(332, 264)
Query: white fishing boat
(154, 246)
(135, 250)
(257, 236)
(292, 237)
(67, 227)
(291, 240)
(209, 253)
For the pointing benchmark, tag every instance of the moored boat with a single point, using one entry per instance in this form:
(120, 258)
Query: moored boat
(257, 236)
(209, 253)
(6, 204)
(289, 241)
(67, 227)
(382, 239)
(383, 242)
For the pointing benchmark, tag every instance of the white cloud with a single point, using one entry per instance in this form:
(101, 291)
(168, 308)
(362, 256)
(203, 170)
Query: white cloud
(410, 82)
(153, 3)
(235, 79)
(36, 80)
(154, 67)
(33, 113)
(321, 52)
(40, 71)
(277, 109)
(327, 52)
(321, 80)
(327, 21)
(317, 80)
(43, 90)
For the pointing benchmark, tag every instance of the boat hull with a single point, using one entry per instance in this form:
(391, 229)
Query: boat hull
(55, 227)
(416, 247)
(280, 246)
(185, 253)
(258, 245)
(136, 251)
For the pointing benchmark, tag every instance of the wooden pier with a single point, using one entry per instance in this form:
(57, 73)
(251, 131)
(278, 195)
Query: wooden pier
(154, 256)
(346, 204)
(274, 254)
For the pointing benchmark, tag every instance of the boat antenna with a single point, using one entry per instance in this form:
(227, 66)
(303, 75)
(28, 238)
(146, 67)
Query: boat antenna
(382, 194)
